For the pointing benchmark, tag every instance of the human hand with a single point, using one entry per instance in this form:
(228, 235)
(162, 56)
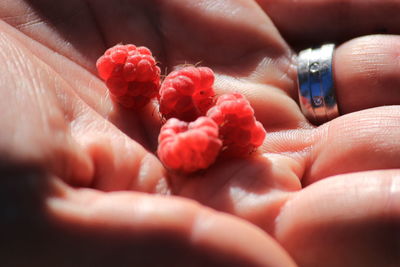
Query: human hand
(61, 149)
(260, 65)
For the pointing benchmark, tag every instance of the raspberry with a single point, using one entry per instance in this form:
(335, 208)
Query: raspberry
(188, 147)
(131, 74)
(238, 128)
(187, 93)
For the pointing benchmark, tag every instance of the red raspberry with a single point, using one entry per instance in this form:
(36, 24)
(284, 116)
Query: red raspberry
(131, 74)
(187, 93)
(189, 147)
(238, 128)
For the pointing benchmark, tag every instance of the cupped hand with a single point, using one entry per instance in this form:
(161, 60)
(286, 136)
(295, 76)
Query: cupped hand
(67, 143)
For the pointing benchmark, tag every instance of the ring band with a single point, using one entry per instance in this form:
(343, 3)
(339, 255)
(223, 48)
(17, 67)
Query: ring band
(316, 87)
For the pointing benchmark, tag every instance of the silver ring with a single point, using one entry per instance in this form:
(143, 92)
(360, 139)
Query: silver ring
(316, 87)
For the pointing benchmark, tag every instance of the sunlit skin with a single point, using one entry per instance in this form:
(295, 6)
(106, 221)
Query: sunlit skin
(81, 185)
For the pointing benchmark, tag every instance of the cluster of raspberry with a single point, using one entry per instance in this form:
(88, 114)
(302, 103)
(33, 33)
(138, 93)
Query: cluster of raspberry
(200, 126)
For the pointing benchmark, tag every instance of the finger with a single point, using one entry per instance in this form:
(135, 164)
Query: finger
(367, 72)
(309, 23)
(213, 28)
(365, 75)
(273, 107)
(259, 53)
(348, 220)
(87, 227)
(364, 140)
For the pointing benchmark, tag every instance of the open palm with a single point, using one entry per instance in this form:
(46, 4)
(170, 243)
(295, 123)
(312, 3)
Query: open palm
(59, 123)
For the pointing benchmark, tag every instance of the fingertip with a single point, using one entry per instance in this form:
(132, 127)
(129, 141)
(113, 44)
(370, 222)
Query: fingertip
(252, 243)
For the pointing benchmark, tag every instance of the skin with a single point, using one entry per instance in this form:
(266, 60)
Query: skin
(79, 178)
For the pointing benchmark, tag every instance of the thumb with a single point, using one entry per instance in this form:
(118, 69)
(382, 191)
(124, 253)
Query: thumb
(85, 227)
